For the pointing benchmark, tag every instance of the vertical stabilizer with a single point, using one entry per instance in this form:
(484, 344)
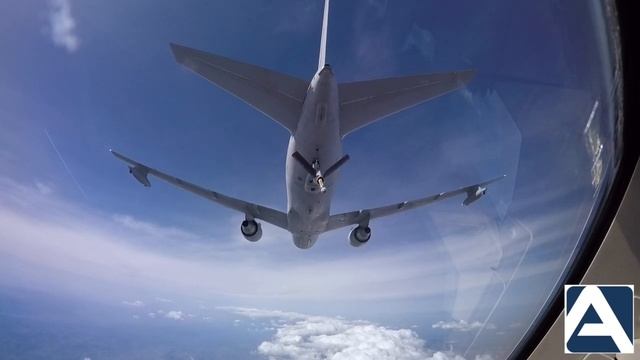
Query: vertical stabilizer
(323, 39)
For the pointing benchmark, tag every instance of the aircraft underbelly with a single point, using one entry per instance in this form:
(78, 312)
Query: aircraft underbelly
(316, 138)
(308, 208)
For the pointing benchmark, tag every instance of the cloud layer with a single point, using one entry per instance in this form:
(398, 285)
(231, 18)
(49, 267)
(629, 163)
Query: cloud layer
(300, 336)
(74, 250)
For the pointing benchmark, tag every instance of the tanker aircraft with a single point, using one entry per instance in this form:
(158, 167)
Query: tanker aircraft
(318, 115)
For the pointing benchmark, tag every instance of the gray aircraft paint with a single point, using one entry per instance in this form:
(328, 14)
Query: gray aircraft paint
(316, 138)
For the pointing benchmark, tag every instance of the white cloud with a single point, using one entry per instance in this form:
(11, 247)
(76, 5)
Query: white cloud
(459, 325)
(254, 313)
(175, 315)
(319, 337)
(135, 303)
(63, 25)
(484, 357)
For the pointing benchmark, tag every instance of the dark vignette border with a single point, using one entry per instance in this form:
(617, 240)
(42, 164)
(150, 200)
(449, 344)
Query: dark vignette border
(628, 24)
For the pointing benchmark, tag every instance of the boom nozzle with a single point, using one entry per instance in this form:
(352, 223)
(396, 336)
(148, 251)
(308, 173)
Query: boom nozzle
(320, 181)
(315, 170)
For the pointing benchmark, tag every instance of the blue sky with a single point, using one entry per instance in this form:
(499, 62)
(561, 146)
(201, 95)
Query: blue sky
(83, 77)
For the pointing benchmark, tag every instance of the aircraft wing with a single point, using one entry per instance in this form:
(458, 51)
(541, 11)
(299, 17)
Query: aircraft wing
(140, 172)
(364, 102)
(473, 192)
(276, 95)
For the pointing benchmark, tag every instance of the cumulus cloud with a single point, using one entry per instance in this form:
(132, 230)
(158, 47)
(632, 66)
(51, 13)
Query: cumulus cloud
(303, 337)
(63, 25)
(175, 315)
(135, 303)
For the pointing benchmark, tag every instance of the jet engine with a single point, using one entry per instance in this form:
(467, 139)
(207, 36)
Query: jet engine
(474, 194)
(359, 236)
(251, 230)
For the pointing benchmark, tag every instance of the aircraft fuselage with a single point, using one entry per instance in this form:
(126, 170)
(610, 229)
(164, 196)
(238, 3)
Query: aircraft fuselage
(317, 138)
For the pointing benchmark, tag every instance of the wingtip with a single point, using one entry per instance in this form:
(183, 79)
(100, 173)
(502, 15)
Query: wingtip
(177, 50)
(116, 154)
(499, 178)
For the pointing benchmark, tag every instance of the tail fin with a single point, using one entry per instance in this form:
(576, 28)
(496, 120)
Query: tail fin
(323, 39)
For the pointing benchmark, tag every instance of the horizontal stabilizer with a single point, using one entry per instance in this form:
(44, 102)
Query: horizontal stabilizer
(364, 102)
(276, 95)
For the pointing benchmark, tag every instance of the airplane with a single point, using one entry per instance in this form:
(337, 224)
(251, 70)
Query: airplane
(318, 116)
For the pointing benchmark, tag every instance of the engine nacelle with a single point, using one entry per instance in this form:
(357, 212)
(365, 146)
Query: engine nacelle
(251, 230)
(359, 236)
(474, 194)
